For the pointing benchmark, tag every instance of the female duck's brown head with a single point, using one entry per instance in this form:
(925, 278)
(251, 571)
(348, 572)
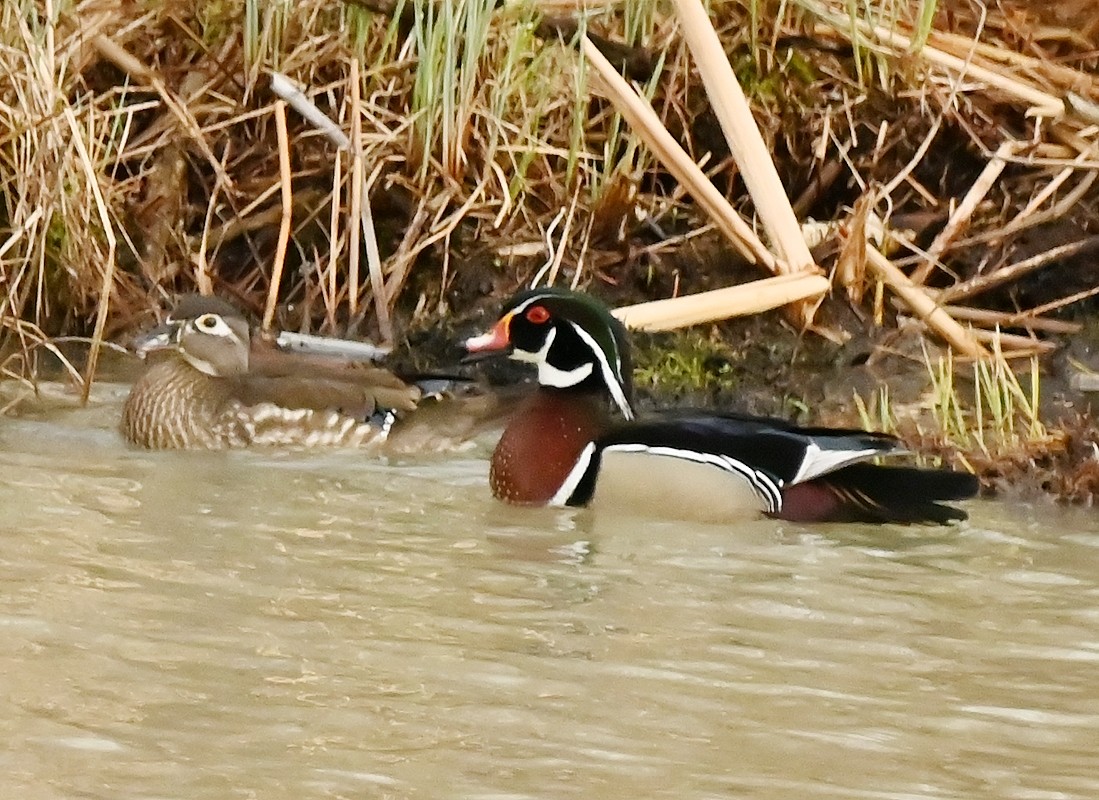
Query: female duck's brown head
(208, 333)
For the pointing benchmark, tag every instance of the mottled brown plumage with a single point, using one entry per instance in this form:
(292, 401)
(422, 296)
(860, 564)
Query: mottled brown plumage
(212, 387)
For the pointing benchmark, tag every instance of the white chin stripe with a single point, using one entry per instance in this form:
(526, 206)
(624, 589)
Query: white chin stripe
(549, 375)
(538, 358)
(204, 367)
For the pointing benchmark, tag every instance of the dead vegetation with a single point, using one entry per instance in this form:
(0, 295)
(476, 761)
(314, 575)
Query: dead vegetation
(939, 159)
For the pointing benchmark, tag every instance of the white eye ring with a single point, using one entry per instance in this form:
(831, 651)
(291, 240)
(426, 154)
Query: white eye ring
(212, 324)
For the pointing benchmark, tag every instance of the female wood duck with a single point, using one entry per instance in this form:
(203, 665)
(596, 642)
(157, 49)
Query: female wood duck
(564, 445)
(218, 387)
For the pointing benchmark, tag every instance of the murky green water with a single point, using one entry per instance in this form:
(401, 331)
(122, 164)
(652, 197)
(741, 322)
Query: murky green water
(290, 626)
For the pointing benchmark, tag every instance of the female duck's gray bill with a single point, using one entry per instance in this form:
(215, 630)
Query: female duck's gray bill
(162, 337)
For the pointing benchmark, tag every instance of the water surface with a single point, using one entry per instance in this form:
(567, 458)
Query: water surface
(274, 625)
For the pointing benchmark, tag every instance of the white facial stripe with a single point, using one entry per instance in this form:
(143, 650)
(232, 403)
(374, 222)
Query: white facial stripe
(612, 373)
(572, 480)
(519, 309)
(205, 327)
(535, 358)
(549, 375)
(219, 327)
(538, 358)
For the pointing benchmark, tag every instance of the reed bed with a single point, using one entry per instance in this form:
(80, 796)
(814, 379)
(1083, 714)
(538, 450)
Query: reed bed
(354, 167)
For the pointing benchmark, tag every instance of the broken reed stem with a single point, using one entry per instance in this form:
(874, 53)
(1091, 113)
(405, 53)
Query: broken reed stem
(330, 293)
(1017, 346)
(746, 143)
(645, 122)
(1011, 319)
(287, 214)
(733, 301)
(959, 220)
(354, 231)
(983, 283)
(922, 305)
(289, 91)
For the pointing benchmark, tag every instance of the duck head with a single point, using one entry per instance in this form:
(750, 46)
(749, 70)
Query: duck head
(573, 340)
(207, 332)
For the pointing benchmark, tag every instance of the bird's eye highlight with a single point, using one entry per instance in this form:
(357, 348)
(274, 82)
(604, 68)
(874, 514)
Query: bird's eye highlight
(207, 322)
(538, 315)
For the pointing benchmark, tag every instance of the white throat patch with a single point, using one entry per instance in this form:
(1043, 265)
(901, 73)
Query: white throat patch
(549, 375)
(200, 364)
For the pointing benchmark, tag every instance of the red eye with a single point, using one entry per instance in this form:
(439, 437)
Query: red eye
(538, 315)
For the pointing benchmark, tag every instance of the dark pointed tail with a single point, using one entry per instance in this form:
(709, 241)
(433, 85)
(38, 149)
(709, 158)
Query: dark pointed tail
(873, 493)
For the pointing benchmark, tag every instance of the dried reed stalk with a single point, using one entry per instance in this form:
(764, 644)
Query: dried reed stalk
(1066, 78)
(330, 291)
(733, 301)
(1009, 319)
(358, 198)
(922, 305)
(287, 213)
(1017, 346)
(366, 220)
(91, 174)
(745, 141)
(117, 55)
(360, 209)
(641, 117)
(983, 283)
(959, 220)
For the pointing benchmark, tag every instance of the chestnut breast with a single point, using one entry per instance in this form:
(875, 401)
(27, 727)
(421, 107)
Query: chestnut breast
(542, 443)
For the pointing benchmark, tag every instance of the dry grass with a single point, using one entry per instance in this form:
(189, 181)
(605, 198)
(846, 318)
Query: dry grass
(985, 417)
(140, 155)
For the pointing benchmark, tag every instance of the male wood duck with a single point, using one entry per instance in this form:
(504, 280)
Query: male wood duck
(576, 440)
(215, 386)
